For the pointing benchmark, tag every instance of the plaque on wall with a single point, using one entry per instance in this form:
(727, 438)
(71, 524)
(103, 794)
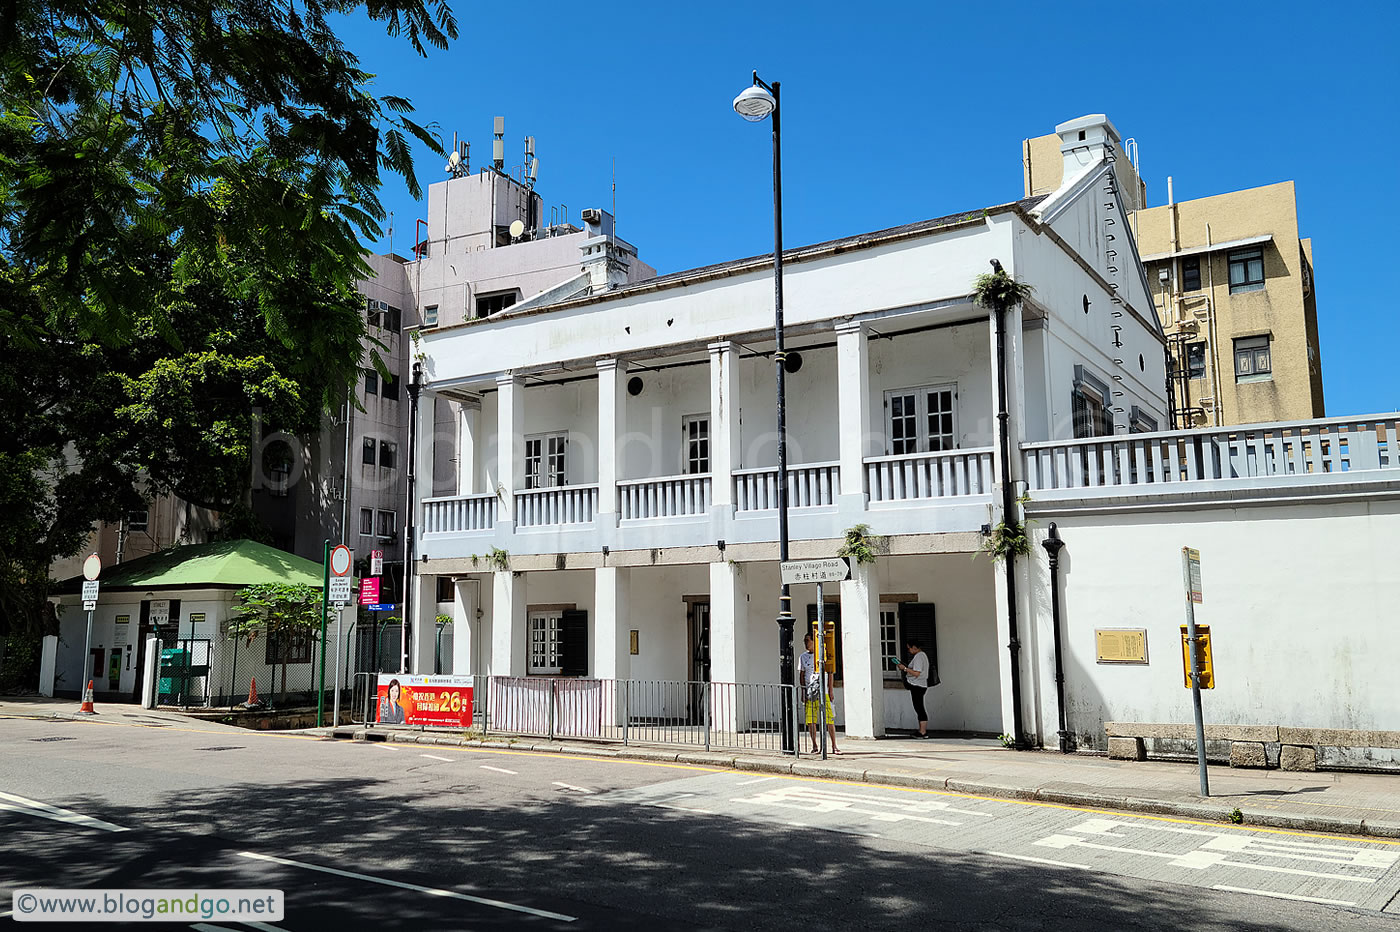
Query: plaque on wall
(1120, 645)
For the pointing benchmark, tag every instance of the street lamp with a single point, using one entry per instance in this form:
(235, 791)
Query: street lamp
(756, 102)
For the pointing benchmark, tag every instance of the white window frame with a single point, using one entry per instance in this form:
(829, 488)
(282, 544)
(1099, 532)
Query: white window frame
(543, 629)
(550, 462)
(889, 646)
(923, 437)
(379, 532)
(430, 315)
(688, 462)
(1251, 349)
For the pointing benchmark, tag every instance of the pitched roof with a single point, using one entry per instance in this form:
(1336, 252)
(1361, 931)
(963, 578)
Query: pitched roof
(230, 564)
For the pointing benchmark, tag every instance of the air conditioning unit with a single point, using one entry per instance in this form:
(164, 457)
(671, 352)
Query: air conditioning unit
(592, 215)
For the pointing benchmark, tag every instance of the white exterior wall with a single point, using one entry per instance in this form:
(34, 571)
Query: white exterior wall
(1293, 594)
(960, 355)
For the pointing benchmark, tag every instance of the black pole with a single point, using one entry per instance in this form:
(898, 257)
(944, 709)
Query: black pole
(785, 616)
(410, 571)
(1008, 509)
(1053, 545)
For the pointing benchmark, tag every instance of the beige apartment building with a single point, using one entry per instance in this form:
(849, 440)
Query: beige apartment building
(1234, 288)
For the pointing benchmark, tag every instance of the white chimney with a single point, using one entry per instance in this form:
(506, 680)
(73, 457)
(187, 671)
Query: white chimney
(1082, 143)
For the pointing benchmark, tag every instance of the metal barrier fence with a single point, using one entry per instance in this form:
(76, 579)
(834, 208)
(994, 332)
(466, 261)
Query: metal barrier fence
(740, 716)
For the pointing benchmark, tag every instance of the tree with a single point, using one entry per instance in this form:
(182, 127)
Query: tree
(284, 613)
(183, 188)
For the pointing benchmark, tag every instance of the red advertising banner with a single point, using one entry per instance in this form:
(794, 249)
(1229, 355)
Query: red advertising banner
(369, 590)
(424, 700)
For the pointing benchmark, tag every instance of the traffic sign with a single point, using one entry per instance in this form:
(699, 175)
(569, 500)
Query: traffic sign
(376, 563)
(341, 590)
(92, 566)
(1193, 564)
(369, 590)
(832, 569)
(340, 561)
(382, 607)
(90, 590)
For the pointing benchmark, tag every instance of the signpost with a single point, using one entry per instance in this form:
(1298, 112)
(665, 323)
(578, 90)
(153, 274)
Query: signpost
(338, 563)
(376, 563)
(92, 568)
(1191, 580)
(797, 572)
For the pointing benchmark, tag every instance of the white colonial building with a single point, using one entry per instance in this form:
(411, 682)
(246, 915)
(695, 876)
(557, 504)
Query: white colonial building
(604, 504)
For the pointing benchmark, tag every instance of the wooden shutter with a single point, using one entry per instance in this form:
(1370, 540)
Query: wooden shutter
(916, 623)
(833, 614)
(573, 643)
(1080, 415)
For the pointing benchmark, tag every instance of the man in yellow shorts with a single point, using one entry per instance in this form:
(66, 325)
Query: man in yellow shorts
(807, 677)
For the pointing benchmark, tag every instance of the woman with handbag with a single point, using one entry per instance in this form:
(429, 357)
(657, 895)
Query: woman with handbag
(917, 680)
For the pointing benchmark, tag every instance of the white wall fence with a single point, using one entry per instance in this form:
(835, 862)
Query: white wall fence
(666, 497)
(568, 504)
(929, 475)
(809, 486)
(1321, 448)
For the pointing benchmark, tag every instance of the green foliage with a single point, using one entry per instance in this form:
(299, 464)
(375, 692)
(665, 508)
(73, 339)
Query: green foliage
(497, 559)
(859, 544)
(997, 290)
(1007, 741)
(1006, 539)
(183, 188)
(1236, 816)
(281, 612)
(443, 620)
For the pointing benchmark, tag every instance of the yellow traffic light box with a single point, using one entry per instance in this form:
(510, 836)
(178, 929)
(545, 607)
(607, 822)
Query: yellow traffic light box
(1206, 670)
(826, 647)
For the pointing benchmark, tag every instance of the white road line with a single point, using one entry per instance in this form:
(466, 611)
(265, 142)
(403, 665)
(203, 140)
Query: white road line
(1283, 896)
(32, 807)
(570, 786)
(499, 770)
(1027, 857)
(759, 780)
(435, 757)
(260, 926)
(383, 746)
(498, 904)
(683, 808)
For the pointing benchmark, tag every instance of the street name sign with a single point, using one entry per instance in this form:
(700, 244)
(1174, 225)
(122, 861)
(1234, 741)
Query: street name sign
(341, 590)
(382, 607)
(831, 569)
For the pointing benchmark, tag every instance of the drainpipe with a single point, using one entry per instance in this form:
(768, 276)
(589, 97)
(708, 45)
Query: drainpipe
(1053, 545)
(1008, 508)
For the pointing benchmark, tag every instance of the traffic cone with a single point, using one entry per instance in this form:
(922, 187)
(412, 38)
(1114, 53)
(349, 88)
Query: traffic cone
(253, 692)
(86, 708)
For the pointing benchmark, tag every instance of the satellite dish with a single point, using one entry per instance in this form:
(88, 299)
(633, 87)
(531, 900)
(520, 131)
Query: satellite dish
(517, 229)
(454, 162)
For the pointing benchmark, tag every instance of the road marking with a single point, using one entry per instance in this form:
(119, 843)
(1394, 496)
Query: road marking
(433, 891)
(435, 757)
(683, 808)
(759, 780)
(499, 770)
(382, 745)
(261, 926)
(1027, 857)
(1283, 896)
(14, 803)
(570, 786)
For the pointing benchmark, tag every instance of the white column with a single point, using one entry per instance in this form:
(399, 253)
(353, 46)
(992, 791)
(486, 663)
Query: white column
(423, 651)
(464, 633)
(48, 664)
(612, 657)
(612, 401)
(508, 628)
(510, 444)
(1008, 719)
(853, 409)
(864, 684)
(724, 421)
(468, 430)
(424, 454)
(729, 615)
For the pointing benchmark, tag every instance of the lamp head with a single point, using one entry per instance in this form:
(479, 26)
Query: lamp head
(755, 103)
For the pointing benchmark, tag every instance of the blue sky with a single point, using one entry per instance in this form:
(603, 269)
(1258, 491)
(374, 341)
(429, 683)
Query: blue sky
(900, 112)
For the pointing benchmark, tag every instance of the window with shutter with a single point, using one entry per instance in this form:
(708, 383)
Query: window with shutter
(832, 614)
(916, 623)
(573, 643)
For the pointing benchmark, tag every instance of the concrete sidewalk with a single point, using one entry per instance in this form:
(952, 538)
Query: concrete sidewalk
(108, 713)
(1343, 803)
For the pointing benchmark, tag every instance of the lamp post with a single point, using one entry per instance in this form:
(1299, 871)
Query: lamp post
(1053, 544)
(756, 102)
(410, 570)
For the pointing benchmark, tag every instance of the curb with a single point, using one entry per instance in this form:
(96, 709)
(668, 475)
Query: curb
(987, 788)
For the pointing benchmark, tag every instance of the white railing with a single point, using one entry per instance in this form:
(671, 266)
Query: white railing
(664, 497)
(809, 486)
(1299, 448)
(929, 475)
(459, 513)
(568, 504)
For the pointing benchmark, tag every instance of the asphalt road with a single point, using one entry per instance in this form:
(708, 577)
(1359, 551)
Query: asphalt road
(383, 836)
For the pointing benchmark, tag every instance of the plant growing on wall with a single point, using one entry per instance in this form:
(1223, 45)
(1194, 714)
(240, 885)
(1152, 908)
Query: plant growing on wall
(1008, 538)
(286, 614)
(860, 544)
(498, 558)
(443, 620)
(999, 291)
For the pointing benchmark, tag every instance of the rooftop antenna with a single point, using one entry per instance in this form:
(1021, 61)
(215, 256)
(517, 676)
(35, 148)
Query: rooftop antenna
(498, 144)
(614, 194)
